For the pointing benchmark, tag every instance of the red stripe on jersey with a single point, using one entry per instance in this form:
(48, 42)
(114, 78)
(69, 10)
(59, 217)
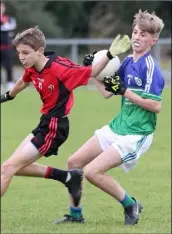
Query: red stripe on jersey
(50, 136)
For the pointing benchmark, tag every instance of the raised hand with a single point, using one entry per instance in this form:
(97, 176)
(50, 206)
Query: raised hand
(119, 46)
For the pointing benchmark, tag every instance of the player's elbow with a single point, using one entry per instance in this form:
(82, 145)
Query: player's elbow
(157, 110)
(108, 95)
(156, 107)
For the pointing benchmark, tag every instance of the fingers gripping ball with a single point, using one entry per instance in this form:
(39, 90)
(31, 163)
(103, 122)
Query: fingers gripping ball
(88, 59)
(110, 68)
(114, 84)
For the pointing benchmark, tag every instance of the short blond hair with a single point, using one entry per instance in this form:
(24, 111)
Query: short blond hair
(32, 37)
(148, 22)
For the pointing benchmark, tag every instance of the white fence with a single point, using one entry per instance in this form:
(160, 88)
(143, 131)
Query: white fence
(75, 43)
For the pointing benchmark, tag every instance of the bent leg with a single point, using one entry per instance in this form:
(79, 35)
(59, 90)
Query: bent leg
(23, 156)
(95, 173)
(41, 171)
(34, 169)
(85, 154)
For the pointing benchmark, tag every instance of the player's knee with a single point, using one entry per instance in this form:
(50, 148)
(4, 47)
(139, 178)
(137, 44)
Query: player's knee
(72, 163)
(8, 169)
(89, 173)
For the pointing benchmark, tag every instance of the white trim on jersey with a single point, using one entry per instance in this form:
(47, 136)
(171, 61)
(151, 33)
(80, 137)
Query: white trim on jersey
(149, 74)
(135, 89)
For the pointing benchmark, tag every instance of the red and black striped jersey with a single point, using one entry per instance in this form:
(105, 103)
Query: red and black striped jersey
(55, 83)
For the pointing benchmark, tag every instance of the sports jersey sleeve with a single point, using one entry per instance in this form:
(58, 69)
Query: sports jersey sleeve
(154, 84)
(73, 75)
(78, 77)
(26, 77)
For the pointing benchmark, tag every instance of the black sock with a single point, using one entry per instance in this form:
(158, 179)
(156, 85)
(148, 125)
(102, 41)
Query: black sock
(56, 174)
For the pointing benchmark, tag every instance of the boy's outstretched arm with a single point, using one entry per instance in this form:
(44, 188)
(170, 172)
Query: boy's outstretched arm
(18, 87)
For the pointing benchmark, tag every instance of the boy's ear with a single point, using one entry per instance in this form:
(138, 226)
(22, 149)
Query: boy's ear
(155, 40)
(41, 50)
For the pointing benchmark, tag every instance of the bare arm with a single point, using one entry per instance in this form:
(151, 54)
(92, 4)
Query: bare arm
(18, 87)
(98, 67)
(100, 86)
(148, 104)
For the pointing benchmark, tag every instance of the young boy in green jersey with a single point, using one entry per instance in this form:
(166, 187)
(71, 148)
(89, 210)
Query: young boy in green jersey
(130, 133)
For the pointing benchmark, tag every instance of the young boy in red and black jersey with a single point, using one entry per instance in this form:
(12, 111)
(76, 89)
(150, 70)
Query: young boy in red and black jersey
(54, 78)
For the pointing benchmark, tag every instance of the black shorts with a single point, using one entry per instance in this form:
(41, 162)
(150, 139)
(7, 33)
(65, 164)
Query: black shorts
(50, 133)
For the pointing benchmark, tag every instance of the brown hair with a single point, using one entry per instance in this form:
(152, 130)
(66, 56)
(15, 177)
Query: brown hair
(32, 37)
(148, 22)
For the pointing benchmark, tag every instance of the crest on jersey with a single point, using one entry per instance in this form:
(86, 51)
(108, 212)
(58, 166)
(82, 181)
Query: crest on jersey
(138, 81)
(51, 87)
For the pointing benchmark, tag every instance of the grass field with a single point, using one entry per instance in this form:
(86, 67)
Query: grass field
(31, 205)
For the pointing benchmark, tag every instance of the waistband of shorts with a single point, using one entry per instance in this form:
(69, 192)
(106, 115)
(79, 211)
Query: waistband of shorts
(47, 116)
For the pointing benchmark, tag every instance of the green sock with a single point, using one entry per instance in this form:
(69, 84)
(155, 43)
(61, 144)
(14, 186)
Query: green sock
(75, 212)
(127, 201)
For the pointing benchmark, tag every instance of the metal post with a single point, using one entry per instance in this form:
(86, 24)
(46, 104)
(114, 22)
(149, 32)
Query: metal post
(74, 52)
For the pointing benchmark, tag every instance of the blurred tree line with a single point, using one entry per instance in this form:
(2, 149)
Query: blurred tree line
(73, 19)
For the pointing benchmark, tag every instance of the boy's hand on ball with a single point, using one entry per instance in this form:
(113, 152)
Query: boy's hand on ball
(114, 84)
(88, 59)
(119, 46)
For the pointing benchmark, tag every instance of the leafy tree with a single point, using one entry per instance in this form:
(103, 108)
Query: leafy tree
(32, 13)
(116, 17)
(73, 16)
(85, 18)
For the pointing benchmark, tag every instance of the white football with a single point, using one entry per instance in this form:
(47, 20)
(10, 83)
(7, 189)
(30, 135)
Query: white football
(110, 68)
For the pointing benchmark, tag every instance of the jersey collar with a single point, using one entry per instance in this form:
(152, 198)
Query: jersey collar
(142, 57)
(145, 55)
(52, 56)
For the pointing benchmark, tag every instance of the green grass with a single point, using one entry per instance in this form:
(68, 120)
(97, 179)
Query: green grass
(30, 205)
